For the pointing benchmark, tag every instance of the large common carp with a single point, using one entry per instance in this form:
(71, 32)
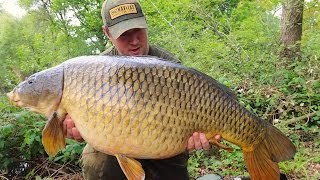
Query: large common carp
(144, 107)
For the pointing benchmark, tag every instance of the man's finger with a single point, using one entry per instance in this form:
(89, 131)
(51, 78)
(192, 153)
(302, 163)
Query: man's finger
(65, 123)
(218, 137)
(65, 126)
(76, 134)
(197, 142)
(70, 125)
(204, 142)
(190, 145)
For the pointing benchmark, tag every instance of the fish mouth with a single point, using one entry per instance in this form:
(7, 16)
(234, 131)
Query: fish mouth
(14, 98)
(10, 96)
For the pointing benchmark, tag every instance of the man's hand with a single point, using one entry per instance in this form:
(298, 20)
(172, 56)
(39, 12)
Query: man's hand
(199, 141)
(71, 130)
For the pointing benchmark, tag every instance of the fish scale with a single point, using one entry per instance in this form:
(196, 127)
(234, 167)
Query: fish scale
(144, 107)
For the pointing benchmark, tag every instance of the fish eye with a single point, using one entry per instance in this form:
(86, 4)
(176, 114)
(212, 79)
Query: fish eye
(30, 80)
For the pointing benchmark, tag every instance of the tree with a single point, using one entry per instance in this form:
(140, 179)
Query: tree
(291, 28)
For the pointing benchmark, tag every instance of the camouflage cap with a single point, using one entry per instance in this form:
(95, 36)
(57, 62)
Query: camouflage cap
(122, 15)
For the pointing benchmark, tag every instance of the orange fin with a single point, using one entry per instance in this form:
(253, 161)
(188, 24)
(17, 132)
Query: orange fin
(53, 137)
(131, 167)
(225, 147)
(211, 138)
(262, 161)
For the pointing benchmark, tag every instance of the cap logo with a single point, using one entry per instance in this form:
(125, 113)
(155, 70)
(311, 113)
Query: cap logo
(122, 10)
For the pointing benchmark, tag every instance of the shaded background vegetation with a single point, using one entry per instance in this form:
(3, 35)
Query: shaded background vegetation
(238, 42)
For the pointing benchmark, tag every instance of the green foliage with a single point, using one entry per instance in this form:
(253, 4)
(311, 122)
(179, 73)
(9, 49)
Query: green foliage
(233, 162)
(200, 163)
(41, 44)
(20, 138)
(217, 162)
(303, 163)
(72, 152)
(20, 142)
(236, 42)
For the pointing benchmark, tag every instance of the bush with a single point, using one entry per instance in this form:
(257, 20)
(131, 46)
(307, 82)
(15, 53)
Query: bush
(22, 153)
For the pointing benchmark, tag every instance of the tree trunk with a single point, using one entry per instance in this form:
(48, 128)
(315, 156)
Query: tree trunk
(291, 28)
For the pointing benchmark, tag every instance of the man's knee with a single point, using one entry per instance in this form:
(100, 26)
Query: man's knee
(92, 163)
(97, 165)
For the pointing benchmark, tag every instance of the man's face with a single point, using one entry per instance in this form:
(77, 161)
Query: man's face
(133, 42)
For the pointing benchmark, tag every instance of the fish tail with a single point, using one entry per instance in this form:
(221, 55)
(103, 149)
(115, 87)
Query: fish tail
(262, 160)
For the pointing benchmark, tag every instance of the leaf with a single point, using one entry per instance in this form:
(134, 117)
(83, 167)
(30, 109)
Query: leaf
(1, 144)
(7, 129)
(58, 158)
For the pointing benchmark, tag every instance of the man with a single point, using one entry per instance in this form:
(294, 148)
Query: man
(125, 26)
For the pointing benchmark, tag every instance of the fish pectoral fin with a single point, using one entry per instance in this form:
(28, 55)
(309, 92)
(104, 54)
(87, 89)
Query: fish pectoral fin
(53, 137)
(131, 167)
(215, 142)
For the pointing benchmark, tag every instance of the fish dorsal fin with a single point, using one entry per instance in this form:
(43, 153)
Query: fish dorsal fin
(53, 137)
(131, 167)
